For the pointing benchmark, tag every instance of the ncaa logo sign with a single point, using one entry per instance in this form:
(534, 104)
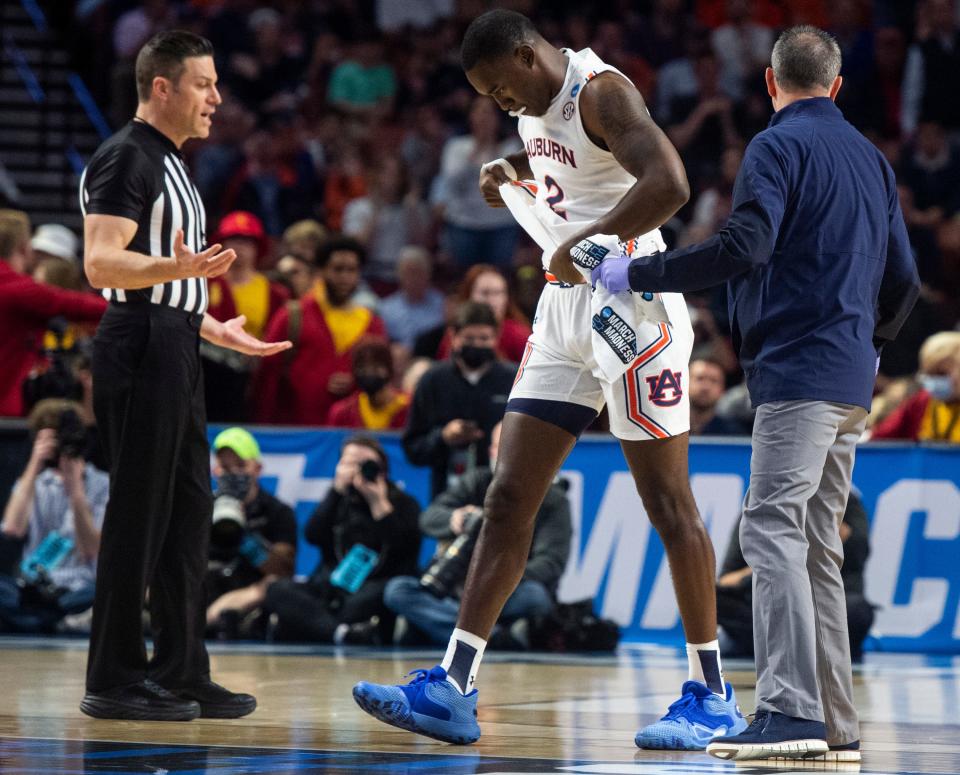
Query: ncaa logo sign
(665, 388)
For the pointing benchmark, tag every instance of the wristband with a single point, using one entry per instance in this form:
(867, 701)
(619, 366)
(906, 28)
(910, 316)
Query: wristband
(503, 164)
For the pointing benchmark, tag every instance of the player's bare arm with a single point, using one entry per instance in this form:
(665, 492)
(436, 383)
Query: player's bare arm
(108, 263)
(492, 178)
(615, 117)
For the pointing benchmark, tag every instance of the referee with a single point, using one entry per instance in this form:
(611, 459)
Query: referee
(820, 276)
(144, 236)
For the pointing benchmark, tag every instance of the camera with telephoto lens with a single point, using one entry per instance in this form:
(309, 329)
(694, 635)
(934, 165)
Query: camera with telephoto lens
(450, 568)
(229, 515)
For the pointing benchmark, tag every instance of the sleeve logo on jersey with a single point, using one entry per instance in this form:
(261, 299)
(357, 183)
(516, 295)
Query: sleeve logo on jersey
(575, 90)
(568, 109)
(666, 382)
(588, 254)
(617, 333)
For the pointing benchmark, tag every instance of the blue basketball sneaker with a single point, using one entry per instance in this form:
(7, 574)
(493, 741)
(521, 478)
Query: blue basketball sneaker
(694, 720)
(429, 705)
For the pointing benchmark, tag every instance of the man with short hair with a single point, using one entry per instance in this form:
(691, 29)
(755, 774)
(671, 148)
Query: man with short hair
(366, 530)
(325, 326)
(417, 306)
(145, 246)
(707, 384)
(820, 276)
(458, 402)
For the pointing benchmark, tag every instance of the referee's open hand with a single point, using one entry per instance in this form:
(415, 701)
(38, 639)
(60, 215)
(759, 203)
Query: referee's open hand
(232, 335)
(212, 262)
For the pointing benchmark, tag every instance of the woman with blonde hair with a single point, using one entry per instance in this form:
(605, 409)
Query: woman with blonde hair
(933, 412)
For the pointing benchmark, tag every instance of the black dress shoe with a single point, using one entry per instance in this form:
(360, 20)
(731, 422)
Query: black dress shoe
(217, 702)
(144, 701)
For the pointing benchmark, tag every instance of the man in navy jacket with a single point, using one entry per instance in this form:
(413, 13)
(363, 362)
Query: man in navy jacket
(820, 276)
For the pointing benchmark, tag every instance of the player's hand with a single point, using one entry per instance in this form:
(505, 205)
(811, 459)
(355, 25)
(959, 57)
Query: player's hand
(613, 274)
(491, 178)
(562, 266)
(212, 262)
(233, 336)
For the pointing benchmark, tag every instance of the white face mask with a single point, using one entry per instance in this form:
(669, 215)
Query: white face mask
(939, 386)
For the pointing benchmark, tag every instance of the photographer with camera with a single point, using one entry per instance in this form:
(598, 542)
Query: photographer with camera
(366, 529)
(51, 525)
(431, 602)
(253, 538)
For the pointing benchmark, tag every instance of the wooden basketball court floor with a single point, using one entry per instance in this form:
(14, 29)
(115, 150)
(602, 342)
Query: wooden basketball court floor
(539, 714)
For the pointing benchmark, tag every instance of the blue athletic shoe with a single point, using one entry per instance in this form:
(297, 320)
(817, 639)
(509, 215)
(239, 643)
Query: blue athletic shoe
(429, 705)
(773, 735)
(694, 720)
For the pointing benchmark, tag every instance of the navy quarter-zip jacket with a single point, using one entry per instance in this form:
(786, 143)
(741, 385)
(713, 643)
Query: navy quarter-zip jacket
(816, 254)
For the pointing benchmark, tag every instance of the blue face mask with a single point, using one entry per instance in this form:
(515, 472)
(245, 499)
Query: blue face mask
(939, 386)
(237, 485)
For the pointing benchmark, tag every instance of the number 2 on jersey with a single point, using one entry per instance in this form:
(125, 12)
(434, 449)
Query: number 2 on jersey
(554, 196)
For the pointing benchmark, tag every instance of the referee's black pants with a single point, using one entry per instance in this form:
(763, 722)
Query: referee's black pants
(148, 400)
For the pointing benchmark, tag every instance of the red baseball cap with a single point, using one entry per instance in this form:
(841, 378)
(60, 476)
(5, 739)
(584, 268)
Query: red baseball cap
(240, 223)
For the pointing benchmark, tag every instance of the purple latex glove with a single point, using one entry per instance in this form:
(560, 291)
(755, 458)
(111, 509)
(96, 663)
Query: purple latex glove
(612, 274)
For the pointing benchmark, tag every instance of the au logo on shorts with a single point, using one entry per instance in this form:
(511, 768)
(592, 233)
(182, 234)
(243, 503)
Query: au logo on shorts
(617, 333)
(664, 383)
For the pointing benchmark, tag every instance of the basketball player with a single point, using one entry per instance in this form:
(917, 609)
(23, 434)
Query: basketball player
(603, 166)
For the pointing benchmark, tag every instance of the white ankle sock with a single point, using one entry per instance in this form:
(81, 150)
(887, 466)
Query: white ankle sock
(462, 659)
(703, 665)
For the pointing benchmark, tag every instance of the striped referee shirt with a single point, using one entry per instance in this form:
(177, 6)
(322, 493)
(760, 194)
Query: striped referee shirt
(139, 174)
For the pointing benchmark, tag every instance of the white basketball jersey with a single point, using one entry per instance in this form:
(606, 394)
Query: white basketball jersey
(576, 179)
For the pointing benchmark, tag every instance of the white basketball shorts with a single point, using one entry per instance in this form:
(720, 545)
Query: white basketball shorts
(649, 402)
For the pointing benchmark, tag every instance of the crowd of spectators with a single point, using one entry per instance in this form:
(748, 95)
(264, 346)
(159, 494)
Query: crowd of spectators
(342, 168)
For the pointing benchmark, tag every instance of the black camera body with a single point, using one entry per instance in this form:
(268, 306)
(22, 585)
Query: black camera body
(71, 436)
(450, 568)
(370, 470)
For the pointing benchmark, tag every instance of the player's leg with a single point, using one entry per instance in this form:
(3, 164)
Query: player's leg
(531, 452)
(553, 400)
(661, 474)
(649, 413)
(707, 706)
(441, 702)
